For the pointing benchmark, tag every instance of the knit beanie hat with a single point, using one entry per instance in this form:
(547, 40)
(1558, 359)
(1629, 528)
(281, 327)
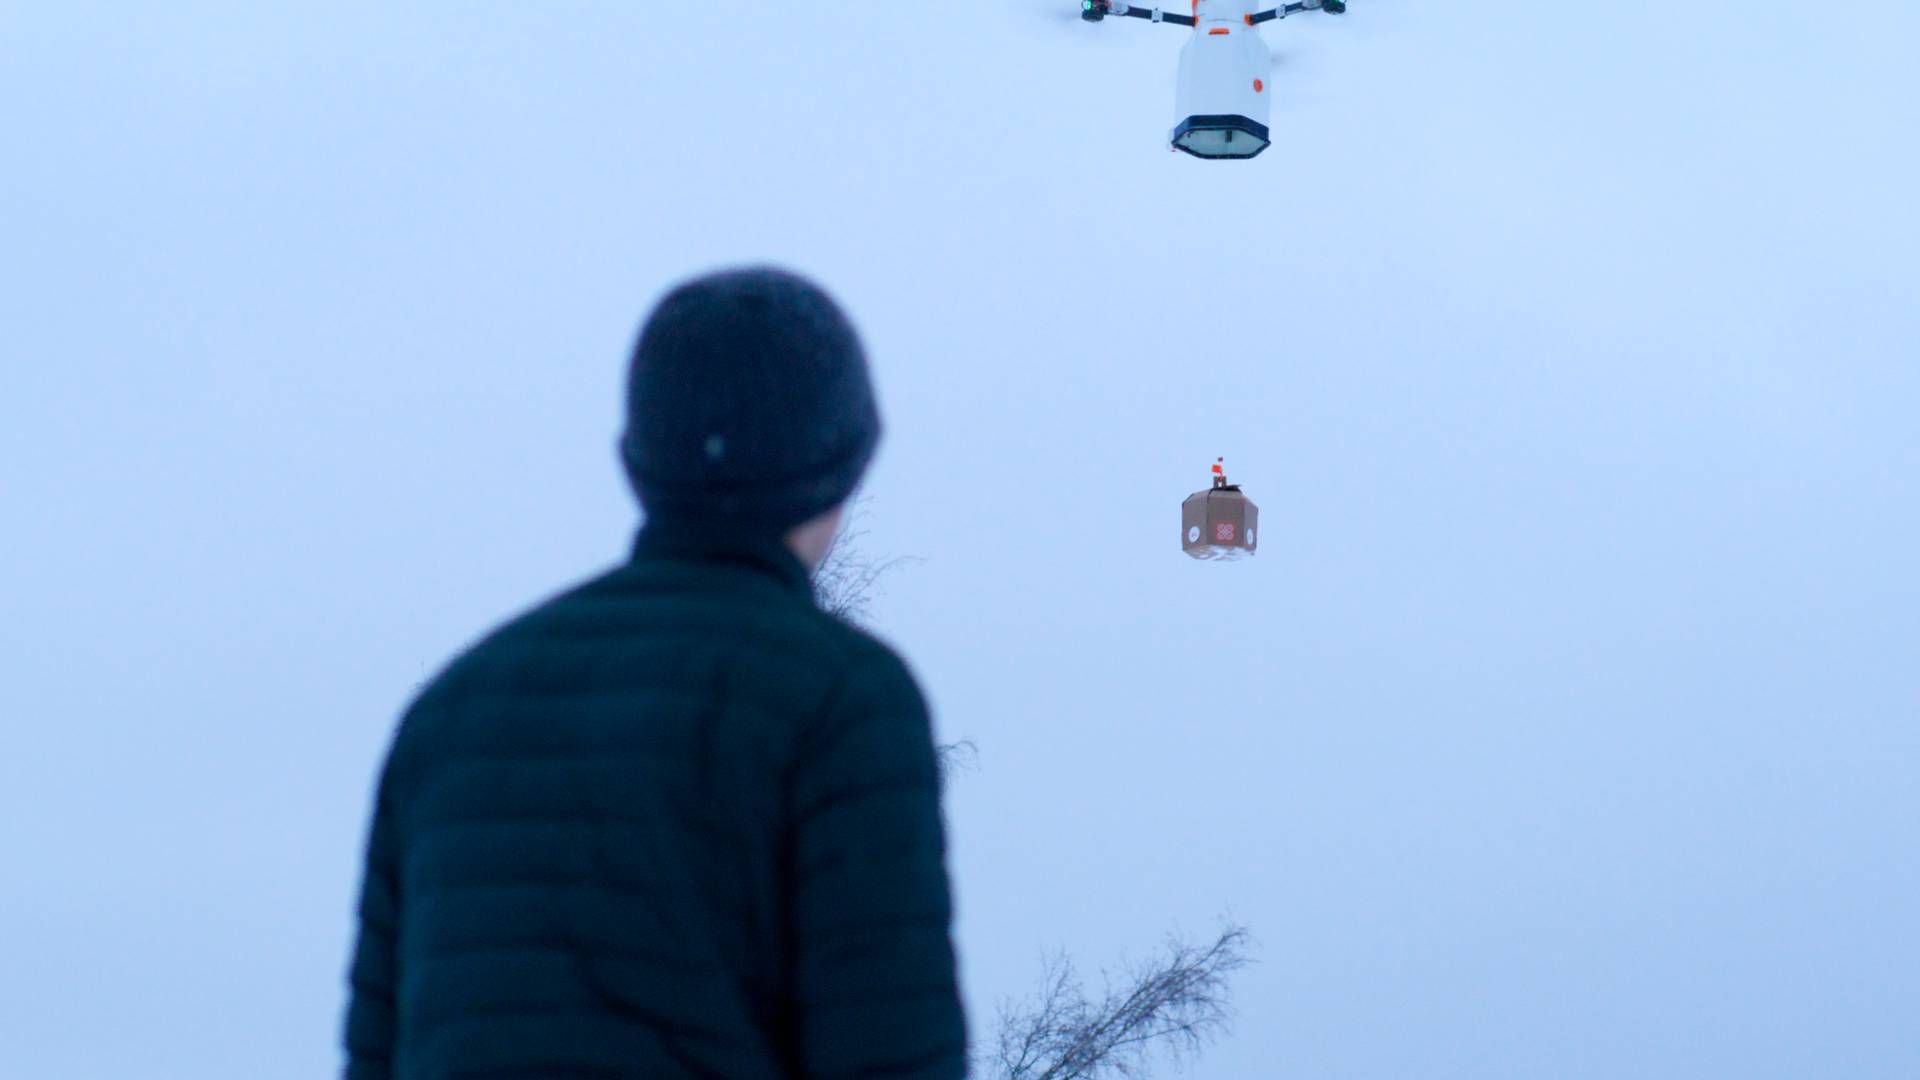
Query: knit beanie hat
(748, 403)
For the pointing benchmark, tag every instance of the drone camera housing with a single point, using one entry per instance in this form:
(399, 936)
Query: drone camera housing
(1230, 136)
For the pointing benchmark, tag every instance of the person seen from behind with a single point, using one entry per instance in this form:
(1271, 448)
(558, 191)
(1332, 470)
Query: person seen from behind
(676, 821)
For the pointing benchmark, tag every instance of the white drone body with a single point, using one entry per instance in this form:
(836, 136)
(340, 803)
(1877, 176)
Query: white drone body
(1221, 93)
(1222, 97)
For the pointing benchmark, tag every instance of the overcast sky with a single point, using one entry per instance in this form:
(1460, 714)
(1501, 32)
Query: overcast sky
(1565, 724)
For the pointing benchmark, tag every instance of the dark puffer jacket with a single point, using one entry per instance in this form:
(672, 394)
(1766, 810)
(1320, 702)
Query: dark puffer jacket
(676, 822)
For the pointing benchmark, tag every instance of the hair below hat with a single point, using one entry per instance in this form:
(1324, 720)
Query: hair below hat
(748, 402)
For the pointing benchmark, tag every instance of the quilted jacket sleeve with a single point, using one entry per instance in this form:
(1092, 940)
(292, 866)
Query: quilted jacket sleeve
(370, 1009)
(873, 969)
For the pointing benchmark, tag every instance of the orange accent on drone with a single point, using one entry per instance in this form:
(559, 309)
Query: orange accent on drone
(1218, 30)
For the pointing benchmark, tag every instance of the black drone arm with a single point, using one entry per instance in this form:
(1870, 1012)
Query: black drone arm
(1095, 10)
(1156, 15)
(1336, 7)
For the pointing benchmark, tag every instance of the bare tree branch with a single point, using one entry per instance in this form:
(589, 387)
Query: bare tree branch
(847, 581)
(1175, 1003)
(955, 757)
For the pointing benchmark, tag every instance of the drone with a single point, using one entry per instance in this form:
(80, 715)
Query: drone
(1221, 94)
(1219, 522)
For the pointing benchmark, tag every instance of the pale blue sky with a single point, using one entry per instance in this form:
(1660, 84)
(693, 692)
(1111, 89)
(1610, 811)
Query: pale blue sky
(1564, 726)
